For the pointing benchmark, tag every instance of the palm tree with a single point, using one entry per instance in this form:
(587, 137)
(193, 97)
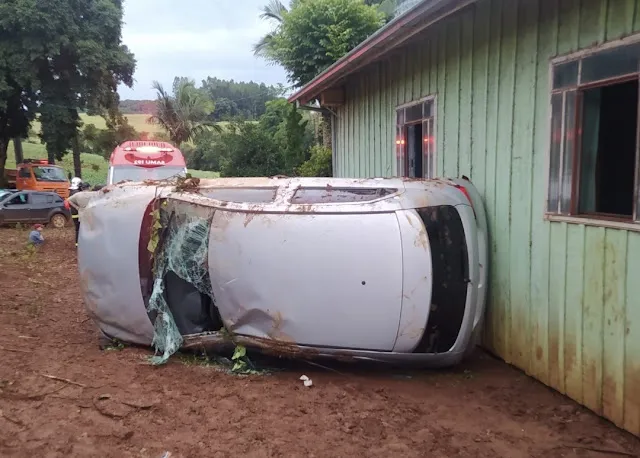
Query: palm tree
(274, 12)
(184, 114)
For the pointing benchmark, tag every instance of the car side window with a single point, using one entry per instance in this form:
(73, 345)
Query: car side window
(50, 199)
(25, 172)
(20, 199)
(326, 195)
(39, 199)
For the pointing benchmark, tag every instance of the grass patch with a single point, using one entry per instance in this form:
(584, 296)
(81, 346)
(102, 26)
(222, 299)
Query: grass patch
(238, 364)
(204, 174)
(137, 121)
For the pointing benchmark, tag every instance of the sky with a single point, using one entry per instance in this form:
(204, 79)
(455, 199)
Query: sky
(194, 38)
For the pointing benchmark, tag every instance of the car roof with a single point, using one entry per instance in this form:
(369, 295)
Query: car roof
(34, 191)
(278, 195)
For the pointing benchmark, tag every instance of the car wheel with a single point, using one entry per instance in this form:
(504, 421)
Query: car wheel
(58, 221)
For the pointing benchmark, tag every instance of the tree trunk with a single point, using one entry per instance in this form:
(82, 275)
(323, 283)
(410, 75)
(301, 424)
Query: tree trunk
(3, 161)
(77, 165)
(51, 156)
(17, 146)
(326, 130)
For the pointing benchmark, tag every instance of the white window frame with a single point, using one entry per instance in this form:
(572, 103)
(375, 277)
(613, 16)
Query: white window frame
(429, 126)
(566, 207)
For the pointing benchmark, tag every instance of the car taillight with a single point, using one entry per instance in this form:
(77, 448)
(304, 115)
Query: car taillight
(67, 205)
(466, 194)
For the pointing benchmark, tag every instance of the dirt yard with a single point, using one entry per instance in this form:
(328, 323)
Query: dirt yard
(61, 396)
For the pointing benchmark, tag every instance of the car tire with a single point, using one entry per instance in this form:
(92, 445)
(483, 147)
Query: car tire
(58, 221)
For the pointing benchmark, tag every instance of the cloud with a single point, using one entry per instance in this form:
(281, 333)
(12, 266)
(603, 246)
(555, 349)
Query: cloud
(209, 38)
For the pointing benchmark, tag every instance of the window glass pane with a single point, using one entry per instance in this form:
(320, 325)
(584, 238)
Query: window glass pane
(611, 63)
(608, 159)
(400, 161)
(20, 199)
(589, 153)
(337, 195)
(427, 143)
(48, 173)
(413, 113)
(432, 147)
(240, 195)
(49, 199)
(568, 152)
(565, 75)
(555, 153)
(38, 199)
(25, 172)
(428, 109)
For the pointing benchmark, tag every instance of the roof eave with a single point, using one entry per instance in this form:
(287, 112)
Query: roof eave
(392, 35)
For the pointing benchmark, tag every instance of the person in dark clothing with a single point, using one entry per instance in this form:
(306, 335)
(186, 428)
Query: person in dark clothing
(76, 187)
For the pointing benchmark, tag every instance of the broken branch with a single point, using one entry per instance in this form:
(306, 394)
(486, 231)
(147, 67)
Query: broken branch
(15, 350)
(65, 380)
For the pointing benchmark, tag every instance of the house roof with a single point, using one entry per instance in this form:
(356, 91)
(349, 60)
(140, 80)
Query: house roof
(391, 36)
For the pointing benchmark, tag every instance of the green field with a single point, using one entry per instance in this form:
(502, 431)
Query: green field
(94, 167)
(137, 121)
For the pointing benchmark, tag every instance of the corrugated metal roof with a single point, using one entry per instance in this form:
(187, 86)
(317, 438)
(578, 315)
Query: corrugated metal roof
(421, 16)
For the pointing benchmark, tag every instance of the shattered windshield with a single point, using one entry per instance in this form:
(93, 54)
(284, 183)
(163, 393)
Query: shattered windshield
(49, 173)
(133, 173)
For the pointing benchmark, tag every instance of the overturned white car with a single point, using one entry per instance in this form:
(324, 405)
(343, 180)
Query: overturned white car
(382, 269)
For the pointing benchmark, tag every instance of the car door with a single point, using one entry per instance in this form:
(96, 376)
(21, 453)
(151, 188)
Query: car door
(40, 206)
(16, 209)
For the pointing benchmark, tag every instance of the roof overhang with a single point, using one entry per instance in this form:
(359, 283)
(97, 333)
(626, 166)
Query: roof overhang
(391, 36)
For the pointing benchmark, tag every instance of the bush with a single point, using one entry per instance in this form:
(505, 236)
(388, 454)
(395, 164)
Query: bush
(318, 165)
(205, 153)
(246, 150)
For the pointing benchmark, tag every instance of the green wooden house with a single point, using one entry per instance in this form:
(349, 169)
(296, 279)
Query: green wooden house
(536, 101)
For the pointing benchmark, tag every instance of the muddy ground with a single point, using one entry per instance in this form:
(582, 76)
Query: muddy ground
(61, 396)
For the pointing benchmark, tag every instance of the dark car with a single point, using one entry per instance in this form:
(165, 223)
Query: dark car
(34, 207)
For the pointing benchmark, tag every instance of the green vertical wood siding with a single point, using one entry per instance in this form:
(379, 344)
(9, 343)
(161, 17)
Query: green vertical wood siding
(564, 298)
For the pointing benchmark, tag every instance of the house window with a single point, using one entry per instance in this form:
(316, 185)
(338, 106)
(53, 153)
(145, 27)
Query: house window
(594, 134)
(415, 139)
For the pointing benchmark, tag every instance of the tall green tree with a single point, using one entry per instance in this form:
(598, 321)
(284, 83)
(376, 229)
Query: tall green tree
(185, 113)
(61, 57)
(313, 34)
(290, 131)
(316, 33)
(238, 99)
